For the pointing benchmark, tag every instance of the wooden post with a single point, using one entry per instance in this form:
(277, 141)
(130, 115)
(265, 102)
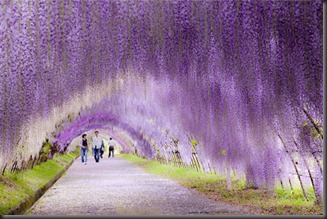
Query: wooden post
(228, 179)
(34, 162)
(209, 168)
(170, 157)
(4, 169)
(23, 167)
(177, 159)
(180, 160)
(201, 166)
(194, 162)
(318, 197)
(313, 123)
(173, 156)
(13, 168)
(289, 180)
(295, 167)
(281, 183)
(197, 162)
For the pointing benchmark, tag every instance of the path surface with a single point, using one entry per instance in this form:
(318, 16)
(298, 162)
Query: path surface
(115, 187)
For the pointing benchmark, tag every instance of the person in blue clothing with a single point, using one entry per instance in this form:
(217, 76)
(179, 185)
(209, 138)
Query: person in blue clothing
(97, 146)
(84, 149)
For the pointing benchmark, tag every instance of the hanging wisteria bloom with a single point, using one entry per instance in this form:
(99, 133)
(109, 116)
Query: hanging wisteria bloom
(242, 80)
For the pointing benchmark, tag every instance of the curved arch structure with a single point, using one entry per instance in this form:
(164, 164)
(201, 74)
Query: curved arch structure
(241, 81)
(101, 120)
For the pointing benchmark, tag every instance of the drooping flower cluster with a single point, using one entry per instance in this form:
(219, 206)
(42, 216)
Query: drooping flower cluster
(241, 78)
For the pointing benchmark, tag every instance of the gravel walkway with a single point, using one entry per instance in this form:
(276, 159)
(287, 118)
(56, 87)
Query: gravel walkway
(115, 187)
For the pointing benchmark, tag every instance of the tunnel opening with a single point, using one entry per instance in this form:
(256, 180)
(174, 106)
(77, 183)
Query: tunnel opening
(230, 87)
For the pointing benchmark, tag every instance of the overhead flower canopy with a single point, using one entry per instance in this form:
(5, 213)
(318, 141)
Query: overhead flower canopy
(242, 77)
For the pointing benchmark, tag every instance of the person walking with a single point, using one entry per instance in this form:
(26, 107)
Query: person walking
(102, 149)
(84, 149)
(112, 145)
(97, 146)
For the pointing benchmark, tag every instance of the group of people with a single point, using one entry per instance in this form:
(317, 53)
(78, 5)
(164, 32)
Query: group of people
(98, 147)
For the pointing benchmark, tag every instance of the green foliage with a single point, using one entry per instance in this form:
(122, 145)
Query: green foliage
(70, 117)
(16, 187)
(10, 195)
(46, 147)
(45, 150)
(282, 202)
(295, 195)
(194, 142)
(223, 152)
(312, 129)
(315, 133)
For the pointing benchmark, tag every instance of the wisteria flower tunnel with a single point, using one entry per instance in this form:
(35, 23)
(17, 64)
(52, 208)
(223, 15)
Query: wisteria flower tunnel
(239, 83)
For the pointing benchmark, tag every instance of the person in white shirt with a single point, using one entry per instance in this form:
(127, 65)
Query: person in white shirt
(96, 145)
(112, 145)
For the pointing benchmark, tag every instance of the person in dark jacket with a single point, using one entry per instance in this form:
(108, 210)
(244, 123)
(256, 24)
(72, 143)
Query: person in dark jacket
(84, 149)
(102, 149)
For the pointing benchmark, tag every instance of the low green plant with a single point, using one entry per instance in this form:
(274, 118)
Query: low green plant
(16, 187)
(280, 202)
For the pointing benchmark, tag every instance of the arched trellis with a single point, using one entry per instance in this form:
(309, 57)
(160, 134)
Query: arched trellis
(99, 120)
(124, 141)
(241, 71)
(142, 145)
